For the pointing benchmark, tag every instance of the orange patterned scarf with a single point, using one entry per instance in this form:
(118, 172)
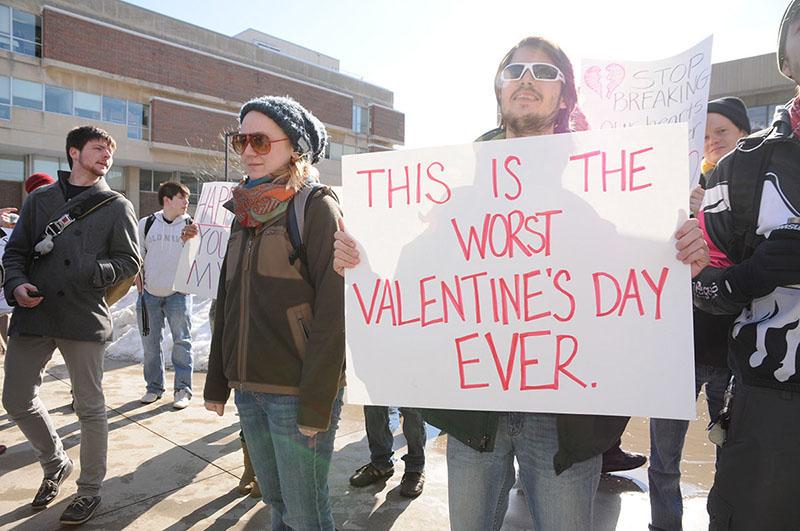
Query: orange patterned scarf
(258, 202)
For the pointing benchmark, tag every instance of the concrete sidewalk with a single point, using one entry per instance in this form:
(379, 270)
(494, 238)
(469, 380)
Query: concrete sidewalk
(175, 470)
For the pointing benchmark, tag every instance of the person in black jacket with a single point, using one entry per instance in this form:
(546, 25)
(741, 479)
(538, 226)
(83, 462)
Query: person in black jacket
(751, 216)
(726, 123)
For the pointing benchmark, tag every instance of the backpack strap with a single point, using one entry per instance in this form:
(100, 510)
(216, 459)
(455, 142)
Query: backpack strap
(152, 219)
(149, 223)
(296, 217)
(79, 211)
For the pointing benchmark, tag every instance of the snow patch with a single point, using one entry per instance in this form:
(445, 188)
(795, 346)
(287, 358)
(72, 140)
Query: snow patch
(127, 341)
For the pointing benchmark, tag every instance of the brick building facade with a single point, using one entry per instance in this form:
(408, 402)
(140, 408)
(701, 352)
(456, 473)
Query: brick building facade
(165, 89)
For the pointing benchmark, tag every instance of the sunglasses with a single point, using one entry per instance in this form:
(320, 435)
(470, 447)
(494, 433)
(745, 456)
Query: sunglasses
(260, 142)
(539, 71)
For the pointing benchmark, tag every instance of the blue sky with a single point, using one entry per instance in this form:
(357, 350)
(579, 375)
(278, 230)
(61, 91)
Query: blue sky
(439, 56)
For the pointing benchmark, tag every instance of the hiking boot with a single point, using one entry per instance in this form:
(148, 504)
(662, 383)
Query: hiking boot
(149, 398)
(49, 488)
(369, 474)
(182, 398)
(256, 492)
(80, 509)
(411, 484)
(248, 480)
(617, 460)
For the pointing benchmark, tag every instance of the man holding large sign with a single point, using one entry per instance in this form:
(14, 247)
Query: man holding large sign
(558, 455)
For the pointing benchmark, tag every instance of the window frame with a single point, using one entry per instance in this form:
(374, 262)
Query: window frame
(14, 81)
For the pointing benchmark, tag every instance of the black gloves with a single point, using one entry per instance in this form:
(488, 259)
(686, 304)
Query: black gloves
(775, 262)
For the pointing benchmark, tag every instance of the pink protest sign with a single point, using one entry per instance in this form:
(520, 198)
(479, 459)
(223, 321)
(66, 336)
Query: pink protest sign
(532, 274)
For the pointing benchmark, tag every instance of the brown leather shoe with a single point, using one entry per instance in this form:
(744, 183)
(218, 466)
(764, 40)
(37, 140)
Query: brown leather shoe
(369, 474)
(411, 484)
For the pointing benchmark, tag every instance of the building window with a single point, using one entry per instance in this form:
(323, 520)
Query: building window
(27, 29)
(87, 105)
(5, 98)
(50, 165)
(27, 94)
(356, 119)
(12, 169)
(758, 117)
(114, 110)
(57, 99)
(193, 184)
(115, 179)
(31, 95)
(335, 151)
(150, 180)
(771, 113)
(5, 28)
(20, 31)
(360, 119)
(138, 121)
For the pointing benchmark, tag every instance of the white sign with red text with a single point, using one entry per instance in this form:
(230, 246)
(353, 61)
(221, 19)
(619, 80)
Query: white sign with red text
(534, 274)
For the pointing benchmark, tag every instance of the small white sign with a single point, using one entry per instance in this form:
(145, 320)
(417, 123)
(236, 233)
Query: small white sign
(635, 93)
(201, 259)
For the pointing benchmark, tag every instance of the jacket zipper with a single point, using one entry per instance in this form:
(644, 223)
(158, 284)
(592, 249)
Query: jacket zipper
(243, 323)
(303, 327)
(484, 443)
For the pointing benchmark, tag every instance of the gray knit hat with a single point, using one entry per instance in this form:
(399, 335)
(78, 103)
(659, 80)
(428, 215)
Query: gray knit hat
(306, 132)
(788, 16)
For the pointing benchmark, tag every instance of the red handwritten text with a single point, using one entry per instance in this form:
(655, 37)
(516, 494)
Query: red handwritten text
(406, 186)
(627, 169)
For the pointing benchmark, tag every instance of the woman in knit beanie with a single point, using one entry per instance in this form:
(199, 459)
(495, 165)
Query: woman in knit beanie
(278, 336)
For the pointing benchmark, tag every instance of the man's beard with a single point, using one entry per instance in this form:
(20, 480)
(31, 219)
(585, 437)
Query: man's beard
(92, 170)
(530, 124)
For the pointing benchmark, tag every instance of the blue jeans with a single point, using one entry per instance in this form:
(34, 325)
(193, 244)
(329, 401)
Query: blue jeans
(479, 482)
(177, 310)
(292, 469)
(376, 419)
(666, 447)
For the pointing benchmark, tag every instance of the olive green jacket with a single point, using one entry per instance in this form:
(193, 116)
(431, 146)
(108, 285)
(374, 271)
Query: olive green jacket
(279, 326)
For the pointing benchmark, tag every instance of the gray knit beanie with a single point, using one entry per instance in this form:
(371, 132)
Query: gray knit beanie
(306, 132)
(788, 16)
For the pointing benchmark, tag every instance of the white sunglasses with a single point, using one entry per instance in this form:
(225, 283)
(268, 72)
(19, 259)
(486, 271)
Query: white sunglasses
(539, 71)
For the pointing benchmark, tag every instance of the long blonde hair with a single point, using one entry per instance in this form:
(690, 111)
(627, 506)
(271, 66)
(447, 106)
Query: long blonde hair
(297, 172)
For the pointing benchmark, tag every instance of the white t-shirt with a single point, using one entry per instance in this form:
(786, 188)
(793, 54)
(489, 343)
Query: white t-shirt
(161, 249)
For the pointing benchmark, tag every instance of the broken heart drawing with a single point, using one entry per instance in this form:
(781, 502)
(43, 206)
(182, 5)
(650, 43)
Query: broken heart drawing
(603, 81)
